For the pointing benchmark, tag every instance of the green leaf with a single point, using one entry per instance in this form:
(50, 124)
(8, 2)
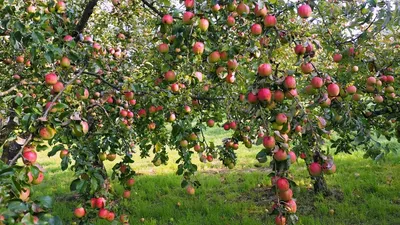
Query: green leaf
(46, 201)
(184, 183)
(55, 150)
(49, 56)
(18, 100)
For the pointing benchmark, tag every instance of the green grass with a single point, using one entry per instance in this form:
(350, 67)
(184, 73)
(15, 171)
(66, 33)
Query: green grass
(366, 192)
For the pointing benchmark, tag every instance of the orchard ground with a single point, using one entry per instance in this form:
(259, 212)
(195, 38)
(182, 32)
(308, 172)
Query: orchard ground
(364, 191)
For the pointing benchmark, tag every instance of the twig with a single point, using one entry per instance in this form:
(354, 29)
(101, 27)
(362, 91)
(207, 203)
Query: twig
(152, 8)
(4, 93)
(326, 25)
(359, 35)
(101, 78)
(20, 151)
(44, 117)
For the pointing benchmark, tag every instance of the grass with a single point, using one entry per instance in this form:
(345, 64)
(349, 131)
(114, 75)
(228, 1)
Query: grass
(366, 192)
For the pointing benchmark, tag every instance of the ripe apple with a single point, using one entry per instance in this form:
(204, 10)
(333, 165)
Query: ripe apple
(210, 123)
(264, 94)
(286, 195)
(187, 17)
(230, 21)
(214, 57)
(333, 90)
(126, 194)
(309, 47)
(111, 157)
(252, 98)
(378, 99)
(51, 78)
(46, 133)
(103, 213)
(351, 89)
(290, 82)
(306, 68)
(260, 12)
(233, 125)
(280, 155)
(232, 64)
(163, 48)
(197, 148)
(58, 87)
(293, 157)
(20, 59)
(189, 4)
(204, 24)
(170, 76)
(317, 82)
(230, 78)
(371, 80)
(315, 169)
(30, 156)
(79, 212)
(304, 11)
(264, 70)
(281, 118)
(65, 62)
(39, 179)
(282, 184)
(280, 220)
(198, 48)
(329, 170)
(216, 8)
(110, 216)
(190, 190)
(167, 19)
(299, 49)
(63, 153)
(279, 96)
(269, 142)
(61, 7)
(256, 29)
(242, 9)
(100, 202)
(270, 21)
(337, 57)
(183, 143)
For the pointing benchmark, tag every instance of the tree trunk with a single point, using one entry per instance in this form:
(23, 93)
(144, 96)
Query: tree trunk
(320, 186)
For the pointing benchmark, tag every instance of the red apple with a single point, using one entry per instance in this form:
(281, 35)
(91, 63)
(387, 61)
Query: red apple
(306, 68)
(230, 21)
(187, 17)
(292, 155)
(337, 57)
(210, 123)
(163, 48)
(299, 49)
(103, 213)
(242, 9)
(189, 4)
(280, 220)
(279, 96)
(30, 156)
(281, 118)
(260, 12)
(100, 203)
(317, 82)
(286, 195)
(39, 179)
(198, 48)
(110, 216)
(58, 87)
(280, 155)
(214, 57)
(65, 62)
(290, 82)
(282, 184)
(264, 94)
(252, 98)
(333, 90)
(304, 11)
(256, 29)
(51, 78)
(270, 21)
(232, 64)
(269, 142)
(264, 69)
(203, 24)
(170, 76)
(126, 194)
(351, 89)
(79, 212)
(167, 19)
(315, 169)
(190, 190)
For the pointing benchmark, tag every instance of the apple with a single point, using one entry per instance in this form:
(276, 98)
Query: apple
(214, 57)
(290, 82)
(264, 70)
(230, 21)
(84, 96)
(100, 202)
(232, 64)
(317, 82)
(210, 123)
(389, 79)
(31, 9)
(103, 213)
(337, 57)
(304, 11)
(111, 157)
(110, 216)
(309, 47)
(60, 7)
(280, 155)
(233, 125)
(210, 158)
(216, 8)
(315, 169)
(123, 219)
(189, 4)
(187, 17)
(306, 68)
(286, 195)
(329, 170)
(204, 24)
(282, 184)
(264, 94)
(333, 90)
(79, 212)
(24, 194)
(167, 19)
(351, 89)
(299, 49)
(46, 133)
(242, 9)
(260, 12)
(65, 62)
(126, 194)
(50, 78)
(170, 76)
(63, 153)
(183, 143)
(226, 126)
(30, 156)
(163, 48)
(292, 155)
(279, 96)
(371, 80)
(20, 59)
(252, 98)
(58, 87)
(198, 48)
(190, 190)
(256, 29)
(270, 21)
(351, 51)
(39, 179)
(280, 220)
(378, 99)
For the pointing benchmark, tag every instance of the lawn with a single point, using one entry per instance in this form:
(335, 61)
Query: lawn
(366, 192)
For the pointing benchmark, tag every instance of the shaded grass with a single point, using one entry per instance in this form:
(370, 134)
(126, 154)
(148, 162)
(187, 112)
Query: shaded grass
(366, 192)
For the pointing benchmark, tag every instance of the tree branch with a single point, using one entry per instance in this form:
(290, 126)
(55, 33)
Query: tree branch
(101, 78)
(85, 18)
(4, 93)
(152, 8)
(20, 151)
